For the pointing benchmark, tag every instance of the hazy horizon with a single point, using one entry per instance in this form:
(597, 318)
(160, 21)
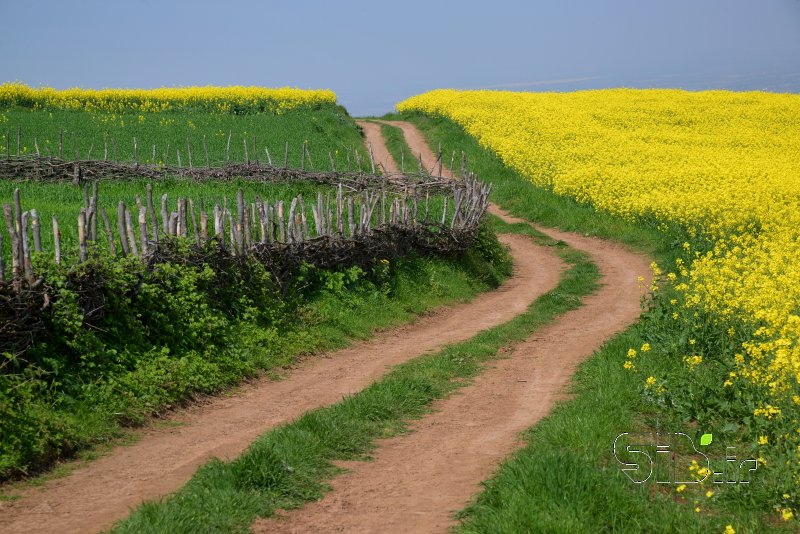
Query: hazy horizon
(373, 56)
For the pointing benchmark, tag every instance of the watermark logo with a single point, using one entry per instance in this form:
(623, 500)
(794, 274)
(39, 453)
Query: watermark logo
(670, 457)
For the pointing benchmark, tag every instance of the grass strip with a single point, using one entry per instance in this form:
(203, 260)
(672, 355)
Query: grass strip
(396, 144)
(290, 465)
(566, 479)
(349, 305)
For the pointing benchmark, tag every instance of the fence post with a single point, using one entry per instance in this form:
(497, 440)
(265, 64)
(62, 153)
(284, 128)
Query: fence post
(57, 240)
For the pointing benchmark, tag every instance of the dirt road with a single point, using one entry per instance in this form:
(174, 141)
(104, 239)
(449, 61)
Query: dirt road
(94, 496)
(417, 481)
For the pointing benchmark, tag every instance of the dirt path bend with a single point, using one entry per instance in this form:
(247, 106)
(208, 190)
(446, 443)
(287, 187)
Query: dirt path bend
(418, 481)
(94, 496)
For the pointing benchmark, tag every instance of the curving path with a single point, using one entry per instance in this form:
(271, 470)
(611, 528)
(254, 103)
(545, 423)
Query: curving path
(417, 481)
(94, 496)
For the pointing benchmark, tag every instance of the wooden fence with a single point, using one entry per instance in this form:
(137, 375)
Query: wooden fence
(57, 167)
(249, 227)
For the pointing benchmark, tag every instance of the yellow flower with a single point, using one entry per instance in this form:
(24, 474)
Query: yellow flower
(697, 509)
(709, 494)
(212, 99)
(655, 268)
(693, 361)
(631, 353)
(787, 514)
(680, 488)
(729, 530)
(763, 440)
(645, 347)
(629, 365)
(719, 166)
(651, 380)
(767, 411)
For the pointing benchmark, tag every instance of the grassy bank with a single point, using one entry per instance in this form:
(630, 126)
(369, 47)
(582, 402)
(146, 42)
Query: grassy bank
(566, 479)
(177, 330)
(229, 496)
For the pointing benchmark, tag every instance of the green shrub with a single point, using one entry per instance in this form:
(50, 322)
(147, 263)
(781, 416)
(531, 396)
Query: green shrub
(124, 341)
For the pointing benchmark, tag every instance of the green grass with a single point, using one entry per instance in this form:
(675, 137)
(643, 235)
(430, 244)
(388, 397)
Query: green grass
(399, 150)
(75, 414)
(290, 465)
(566, 479)
(186, 330)
(64, 200)
(326, 129)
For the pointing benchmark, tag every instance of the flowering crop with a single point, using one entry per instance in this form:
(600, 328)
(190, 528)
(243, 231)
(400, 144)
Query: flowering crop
(236, 99)
(716, 167)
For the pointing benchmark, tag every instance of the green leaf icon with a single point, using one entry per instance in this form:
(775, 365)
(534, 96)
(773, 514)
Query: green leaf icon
(705, 439)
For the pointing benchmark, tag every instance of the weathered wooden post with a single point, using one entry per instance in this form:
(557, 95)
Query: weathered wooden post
(112, 247)
(280, 217)
(131, 233)
(203, 222)
(123, 233)
(16, 248)
(37, 231)
(152, 212)
(82, 235)
(195, 229)
(56, 241)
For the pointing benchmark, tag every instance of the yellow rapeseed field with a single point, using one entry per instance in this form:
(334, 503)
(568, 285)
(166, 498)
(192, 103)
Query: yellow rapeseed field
(233, 99)
(722, 166)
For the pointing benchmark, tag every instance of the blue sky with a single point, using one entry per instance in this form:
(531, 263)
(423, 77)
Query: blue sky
(374, 54)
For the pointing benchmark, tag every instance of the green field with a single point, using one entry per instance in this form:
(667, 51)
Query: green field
(172, 331)
(64, 200)
(326, 130)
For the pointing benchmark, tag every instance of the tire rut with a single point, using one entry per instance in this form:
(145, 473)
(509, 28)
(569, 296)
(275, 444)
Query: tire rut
(418, 481)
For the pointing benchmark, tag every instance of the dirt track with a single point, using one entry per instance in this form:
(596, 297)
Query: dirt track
(96, 495)
(372, 131)
(418, 481)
